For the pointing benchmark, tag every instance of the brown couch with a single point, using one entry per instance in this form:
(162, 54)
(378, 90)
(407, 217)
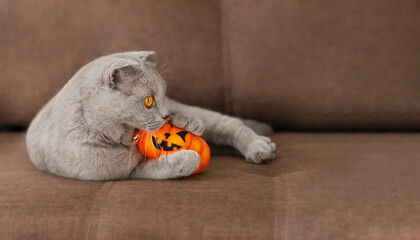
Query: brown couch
(329, 68)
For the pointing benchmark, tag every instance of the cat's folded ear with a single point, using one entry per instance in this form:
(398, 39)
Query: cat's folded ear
(149, 57)
(113, 72)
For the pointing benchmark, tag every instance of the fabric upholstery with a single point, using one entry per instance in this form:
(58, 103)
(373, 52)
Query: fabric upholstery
(324, 65)
(299, 65)
(44, 43)
(322, 186)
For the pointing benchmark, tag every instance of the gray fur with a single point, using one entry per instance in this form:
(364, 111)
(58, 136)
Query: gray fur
(86, 131)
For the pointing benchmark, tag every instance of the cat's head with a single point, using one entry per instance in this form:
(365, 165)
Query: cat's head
(129, 91)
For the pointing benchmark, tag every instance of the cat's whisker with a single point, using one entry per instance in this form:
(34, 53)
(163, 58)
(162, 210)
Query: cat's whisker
(160, 134)
(147, 140)
(136, 138)
(143, 133)
(154, 150)
(165, 69)
(162, 68)
(130, 155)
(162, 139)
(133, 145)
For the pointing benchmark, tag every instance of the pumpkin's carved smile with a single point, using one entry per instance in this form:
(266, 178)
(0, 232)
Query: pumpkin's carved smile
(164, 143)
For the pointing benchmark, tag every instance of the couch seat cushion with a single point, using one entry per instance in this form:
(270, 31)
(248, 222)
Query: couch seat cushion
(322, 186)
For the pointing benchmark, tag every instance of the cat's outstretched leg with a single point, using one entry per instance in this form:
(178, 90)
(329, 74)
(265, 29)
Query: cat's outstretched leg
(178, 164)
(225, 130)
(258, 127)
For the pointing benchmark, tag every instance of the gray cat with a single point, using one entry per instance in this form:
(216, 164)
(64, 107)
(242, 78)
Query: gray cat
(86, 131)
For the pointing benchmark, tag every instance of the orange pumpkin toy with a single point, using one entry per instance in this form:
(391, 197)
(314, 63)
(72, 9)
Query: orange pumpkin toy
(170, 139)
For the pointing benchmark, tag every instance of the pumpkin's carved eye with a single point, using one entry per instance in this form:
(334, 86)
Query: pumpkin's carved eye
(182, 134)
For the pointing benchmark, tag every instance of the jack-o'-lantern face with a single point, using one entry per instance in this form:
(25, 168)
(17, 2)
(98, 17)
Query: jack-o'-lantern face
(170, 139)
(164, 141)
(167, 142)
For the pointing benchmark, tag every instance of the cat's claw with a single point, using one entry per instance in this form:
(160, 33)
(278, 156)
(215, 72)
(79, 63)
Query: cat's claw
(189, 123)
(261, 151)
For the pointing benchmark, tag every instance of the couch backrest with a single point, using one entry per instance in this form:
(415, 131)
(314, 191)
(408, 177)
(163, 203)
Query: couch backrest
(43, 43)
(313, 65)
(348, 65)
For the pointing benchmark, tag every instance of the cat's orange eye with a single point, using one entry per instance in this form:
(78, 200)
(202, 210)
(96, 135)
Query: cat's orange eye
(148, 101)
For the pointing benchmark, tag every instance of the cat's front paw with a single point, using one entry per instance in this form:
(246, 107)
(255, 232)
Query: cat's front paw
(189, 123)
(184, 163)
(260, 151)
